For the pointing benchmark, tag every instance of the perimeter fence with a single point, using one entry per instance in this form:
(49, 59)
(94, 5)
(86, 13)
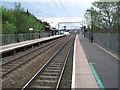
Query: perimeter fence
(15, 38)
(108, 41)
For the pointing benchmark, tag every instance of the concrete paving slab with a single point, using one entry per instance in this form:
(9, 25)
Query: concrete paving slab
(83, 71)
(82, 76)
(81, 65)
(85, 81)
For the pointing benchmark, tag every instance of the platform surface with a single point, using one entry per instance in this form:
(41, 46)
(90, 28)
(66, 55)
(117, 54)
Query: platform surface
(105, 65)
(25, 43)
(82, 76)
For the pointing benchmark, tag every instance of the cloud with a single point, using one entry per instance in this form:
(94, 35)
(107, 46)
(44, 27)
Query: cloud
(74, 9)
(54, 21)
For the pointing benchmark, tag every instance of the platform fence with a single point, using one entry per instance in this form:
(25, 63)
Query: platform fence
(108, 41)
(15, 38)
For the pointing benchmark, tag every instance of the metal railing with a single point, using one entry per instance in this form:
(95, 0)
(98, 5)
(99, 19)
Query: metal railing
(15, 38)
(108, 41)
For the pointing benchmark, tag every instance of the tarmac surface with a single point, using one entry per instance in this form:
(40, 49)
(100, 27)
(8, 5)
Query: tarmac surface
(105, 65)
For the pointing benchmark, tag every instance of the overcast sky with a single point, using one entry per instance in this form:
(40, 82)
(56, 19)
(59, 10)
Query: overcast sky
(54, 11)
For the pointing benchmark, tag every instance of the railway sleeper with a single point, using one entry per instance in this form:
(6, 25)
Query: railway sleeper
(58, 61)
(16, 63)
(8, 67)
(42, 87)
(50, 71)
(48, 77)
(5, 70)
(53, 68)
(43, 83)
(54, 65)
(50, 74)
(50, 81)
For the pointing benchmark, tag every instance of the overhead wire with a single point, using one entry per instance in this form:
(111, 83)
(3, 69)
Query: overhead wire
(49, 15)
(64, 8)
(58, 8)
(36, 10)
(39, 9)
(66, 15)
(43, 10)
(22, 5)
(70, 8)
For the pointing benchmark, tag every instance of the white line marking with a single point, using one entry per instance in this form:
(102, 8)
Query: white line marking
(73, 72)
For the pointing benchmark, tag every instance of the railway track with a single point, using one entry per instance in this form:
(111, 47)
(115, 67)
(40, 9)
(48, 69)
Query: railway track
(5, 61)
(13, 64)
(50, 75)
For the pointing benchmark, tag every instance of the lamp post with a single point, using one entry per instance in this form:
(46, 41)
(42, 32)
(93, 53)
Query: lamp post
(58, 28)
(31, 29)
(64, 28)
(91, 32)
(39, 33)
(39, 27)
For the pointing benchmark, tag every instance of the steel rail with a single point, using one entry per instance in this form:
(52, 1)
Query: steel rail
(27, 53)
(58, 83)
(28, 60)
(40, 70)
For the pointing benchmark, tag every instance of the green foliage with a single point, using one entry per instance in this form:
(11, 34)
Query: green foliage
(8, 28)
(105, 17)
(19, 21)
(7, 15)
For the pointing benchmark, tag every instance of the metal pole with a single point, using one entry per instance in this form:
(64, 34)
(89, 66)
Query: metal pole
(58, 29)
(39, 33)
(91, 32)
(91, 27)
(32, 34)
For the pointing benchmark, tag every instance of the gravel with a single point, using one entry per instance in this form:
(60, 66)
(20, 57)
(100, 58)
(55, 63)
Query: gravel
(19, 77)
(67, 75)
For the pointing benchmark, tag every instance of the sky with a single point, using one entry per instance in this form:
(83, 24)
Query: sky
(54, 11)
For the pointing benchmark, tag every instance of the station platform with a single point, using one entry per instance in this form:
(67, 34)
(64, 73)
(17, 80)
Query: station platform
(14, 46)
(93, 66)
(82, 76)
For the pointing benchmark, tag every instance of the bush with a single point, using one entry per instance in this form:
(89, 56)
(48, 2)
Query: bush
(8, 28)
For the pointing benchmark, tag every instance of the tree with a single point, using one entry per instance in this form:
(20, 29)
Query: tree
(19, 21)
(19, 17)
(105, 16)
(8, 28)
